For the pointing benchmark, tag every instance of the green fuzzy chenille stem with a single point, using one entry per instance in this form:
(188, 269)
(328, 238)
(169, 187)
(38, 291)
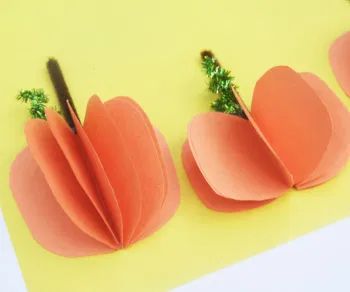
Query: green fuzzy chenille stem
(37, 100)
(221, 83)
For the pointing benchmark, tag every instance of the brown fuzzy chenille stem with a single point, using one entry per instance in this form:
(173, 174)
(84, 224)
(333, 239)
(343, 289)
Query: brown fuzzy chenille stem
(209, 54)
(62, 91)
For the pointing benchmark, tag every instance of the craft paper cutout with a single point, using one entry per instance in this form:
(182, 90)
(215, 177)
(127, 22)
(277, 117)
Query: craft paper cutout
(297, 134)
(339, 57)
(99, 190)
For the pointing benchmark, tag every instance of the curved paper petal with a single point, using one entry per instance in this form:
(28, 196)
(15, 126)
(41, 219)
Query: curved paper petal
(172, 198)
(48, 223)
(115, 154)
(338, 150)
(206, 194)
(288, 176)
(106, 189)
(63, 183)
(339, 57)
(137, 133)
(233, 159)
(294, 120)
(75, 155)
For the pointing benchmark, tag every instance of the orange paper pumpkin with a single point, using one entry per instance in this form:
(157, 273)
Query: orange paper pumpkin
(105, 187)
(297, 134)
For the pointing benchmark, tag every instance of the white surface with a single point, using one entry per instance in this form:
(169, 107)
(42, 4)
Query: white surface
(319, 261)
(10, 275)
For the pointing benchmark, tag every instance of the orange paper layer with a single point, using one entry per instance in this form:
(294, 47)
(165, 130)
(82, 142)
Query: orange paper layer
(122, 175)
(95, 181)
(206, 194)
(107, 194)
(62, 182)
(45, 218)
(339, 57)
(244, 170)
(172, 199)
(338, 150)
(145, 156)
(293, 118)
(71, 148)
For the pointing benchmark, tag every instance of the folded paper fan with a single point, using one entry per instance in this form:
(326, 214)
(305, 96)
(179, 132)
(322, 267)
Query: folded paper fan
(339, 57)
(297, 134)
(100, 189)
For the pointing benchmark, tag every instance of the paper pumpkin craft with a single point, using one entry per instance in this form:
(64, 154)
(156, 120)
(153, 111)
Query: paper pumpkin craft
(339, 56)
(98, 190)
(296, 135)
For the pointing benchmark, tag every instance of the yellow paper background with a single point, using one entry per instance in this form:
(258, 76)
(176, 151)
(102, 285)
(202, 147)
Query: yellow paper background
(150, 50)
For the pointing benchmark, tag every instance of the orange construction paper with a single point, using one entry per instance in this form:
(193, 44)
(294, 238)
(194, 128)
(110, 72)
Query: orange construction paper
(62, 182)
(206, 193)
(122, 175)
(339, 57)
(296, 135)
(46, 220)
(293, 118)
(71, 148)
(171, 200)
(242, 171)
(287, 175)
(138, 133)
(107, 186)
(338, 150)
(106, 190)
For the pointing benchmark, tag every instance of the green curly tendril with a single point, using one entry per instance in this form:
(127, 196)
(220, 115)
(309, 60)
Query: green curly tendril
(37, 100)
(221, 83)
